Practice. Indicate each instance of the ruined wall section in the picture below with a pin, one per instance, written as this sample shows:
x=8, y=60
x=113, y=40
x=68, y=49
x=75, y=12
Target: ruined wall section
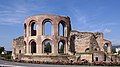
x=81, y=42
x=99, y=56
x=101, y=42
x=18, y=47
x=109, y=46
x=99, y=39
x=94, y=44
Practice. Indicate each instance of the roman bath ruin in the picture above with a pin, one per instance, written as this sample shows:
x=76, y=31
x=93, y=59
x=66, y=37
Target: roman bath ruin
x=71, y=45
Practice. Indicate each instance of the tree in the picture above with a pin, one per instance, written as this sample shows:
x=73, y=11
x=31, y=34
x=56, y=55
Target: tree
x=119, y=52
x=1, y=49
x=62, y=49
x=47, y=48
x=114, y=51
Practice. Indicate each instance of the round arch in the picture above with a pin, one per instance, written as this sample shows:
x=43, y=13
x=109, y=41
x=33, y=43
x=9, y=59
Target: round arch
x=62, y=28
x=96, y=49
x=32, y=44
x=105, y=47
x=47, y=25
x=46, y=46
x=61, y=46
x=32, y=27
x=87, y=50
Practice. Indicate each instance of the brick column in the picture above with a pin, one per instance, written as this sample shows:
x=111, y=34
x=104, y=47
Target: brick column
x=40, y=29
x=28, y=48
x=54, y=46
x=55, y=29
x=54, y=41
x=39, y=43
x=66, y=48
x=109, y=48
x=65, y=31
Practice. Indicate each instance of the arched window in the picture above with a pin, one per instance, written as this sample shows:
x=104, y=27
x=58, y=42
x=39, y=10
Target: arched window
x=61, y=47
x=47, y=47
x=25, y=30
x=61, y=28
x=25, y=46
x=96, y=58
x=33, y=46
x=33, y=28
x=95, y=49
x=47, y=27
x=19, y=51
x=105, y=47
x=104, y=57
x=87, y=50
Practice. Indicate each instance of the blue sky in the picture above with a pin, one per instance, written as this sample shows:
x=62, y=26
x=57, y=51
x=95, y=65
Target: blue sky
x=86, y=15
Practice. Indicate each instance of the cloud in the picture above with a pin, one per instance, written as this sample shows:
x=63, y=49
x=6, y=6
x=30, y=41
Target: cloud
x=78, y=16
x=90, y=23
x=10, y=17
x=12, y=14
x=107, y=30
x=8, y=21
x=116, y=42
x=15, y=12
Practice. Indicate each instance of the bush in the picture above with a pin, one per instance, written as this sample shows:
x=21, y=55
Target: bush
x=5, y=56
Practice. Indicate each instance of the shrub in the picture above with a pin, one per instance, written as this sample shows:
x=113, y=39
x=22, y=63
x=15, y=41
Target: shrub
x=5, y=56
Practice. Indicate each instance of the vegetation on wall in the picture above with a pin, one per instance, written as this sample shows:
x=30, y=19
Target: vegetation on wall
x=1, y=49
x=118, y=52
x=47, y=48
x=114, y=51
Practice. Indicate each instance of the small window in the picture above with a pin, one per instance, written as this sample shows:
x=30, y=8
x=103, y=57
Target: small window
x=61, y=47
x=105, y=47
x=19, y=51
x=96, y=58
x=87, y=50
x=95, y=49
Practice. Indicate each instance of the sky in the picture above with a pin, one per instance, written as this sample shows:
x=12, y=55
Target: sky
x=85, y=15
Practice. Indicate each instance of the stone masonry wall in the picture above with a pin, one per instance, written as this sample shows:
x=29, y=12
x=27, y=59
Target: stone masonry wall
x=18, y=47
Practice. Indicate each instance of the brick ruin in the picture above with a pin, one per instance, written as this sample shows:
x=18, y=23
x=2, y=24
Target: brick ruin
x=76, y=45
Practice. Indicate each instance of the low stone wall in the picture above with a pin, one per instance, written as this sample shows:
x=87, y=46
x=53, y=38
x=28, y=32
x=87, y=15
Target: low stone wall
x=45, y=58
x=87, y=57
x=99, y=56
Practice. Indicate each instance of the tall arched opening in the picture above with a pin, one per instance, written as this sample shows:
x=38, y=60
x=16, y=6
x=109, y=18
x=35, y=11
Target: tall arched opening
x=33, y=28
x=61, y=46
x=33, y=46
x=47, y=27
x=62, y=28
x=46, y=46
x=25, y=47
